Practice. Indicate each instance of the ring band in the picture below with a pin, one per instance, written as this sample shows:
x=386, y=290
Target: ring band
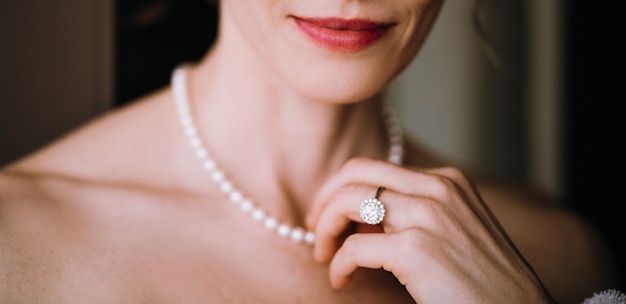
x=379, y=191
x=372, y=210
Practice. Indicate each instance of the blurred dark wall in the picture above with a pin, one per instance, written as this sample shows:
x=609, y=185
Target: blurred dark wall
x=65, y=63
x=153, y=36
x=595, y=104
x=56, y=70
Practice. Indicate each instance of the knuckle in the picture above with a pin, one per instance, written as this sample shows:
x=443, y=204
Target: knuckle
x=415, y=240
x=351, y=245
x=453, y=173
x=430, y=214
x=356, y=162
x=324, y=231
x=458, y=177
x=424, y=245
x=349, y=191
x=442, y=187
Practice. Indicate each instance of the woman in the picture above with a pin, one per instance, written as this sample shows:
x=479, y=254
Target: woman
x=284, y=120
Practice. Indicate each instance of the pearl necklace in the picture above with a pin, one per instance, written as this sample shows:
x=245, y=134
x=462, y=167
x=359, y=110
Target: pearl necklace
x=236, y=197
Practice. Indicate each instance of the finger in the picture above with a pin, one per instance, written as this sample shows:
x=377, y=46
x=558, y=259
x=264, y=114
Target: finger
x=459, y=178
x=359, y=171
x=336, y=217
x=401, y=212
x=361, y=250
x=473, y=198
x=438, y=184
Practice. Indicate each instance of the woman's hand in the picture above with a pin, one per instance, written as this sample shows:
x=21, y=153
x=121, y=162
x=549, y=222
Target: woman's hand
x=438, y=237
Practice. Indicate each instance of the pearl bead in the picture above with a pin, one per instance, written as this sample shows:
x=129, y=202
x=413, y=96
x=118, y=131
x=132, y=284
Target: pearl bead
x=283, y=230
x=246, y=206
x=297, y=235
x=395, y=160
x=209, y=165
x=270, y=223
x=186, y=121
x=226, y=187
x=217, y=176
x=309, y=238
x=191, y=131
x=235, y=197
x=396, y=150
x=183, y=109
x=202, y=153
x=258, y=215
x=195, y=141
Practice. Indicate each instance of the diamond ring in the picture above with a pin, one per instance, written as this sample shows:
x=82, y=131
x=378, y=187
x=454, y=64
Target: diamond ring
x=372, y=210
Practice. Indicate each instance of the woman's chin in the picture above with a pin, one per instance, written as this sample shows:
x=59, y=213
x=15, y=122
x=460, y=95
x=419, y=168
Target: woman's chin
x=339, y=88
x=338, y=94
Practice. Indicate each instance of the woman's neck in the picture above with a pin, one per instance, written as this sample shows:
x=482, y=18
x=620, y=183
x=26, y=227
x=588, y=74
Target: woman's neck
x=275, y=144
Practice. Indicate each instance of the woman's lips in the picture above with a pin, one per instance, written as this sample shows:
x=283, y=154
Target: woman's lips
x=342, y=35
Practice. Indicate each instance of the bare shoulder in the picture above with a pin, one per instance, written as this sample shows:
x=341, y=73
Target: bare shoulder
x=93, y=207
x=53, y=240
x=567, y=253
x=64, y=239
x=24, y=235
x=108, y=145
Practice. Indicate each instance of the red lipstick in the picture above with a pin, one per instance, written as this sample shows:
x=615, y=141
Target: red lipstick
x=343, y=35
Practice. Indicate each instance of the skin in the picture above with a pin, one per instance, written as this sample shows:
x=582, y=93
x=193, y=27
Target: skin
x=121, y=211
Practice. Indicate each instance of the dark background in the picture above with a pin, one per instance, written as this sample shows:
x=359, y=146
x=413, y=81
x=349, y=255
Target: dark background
x=153, y=36
x=594, y=91
x=595, y=118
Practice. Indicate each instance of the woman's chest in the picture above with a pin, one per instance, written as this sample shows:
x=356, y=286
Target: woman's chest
x=232, y=282
x=237, y=269
x=163, y=254
x=227, y=266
